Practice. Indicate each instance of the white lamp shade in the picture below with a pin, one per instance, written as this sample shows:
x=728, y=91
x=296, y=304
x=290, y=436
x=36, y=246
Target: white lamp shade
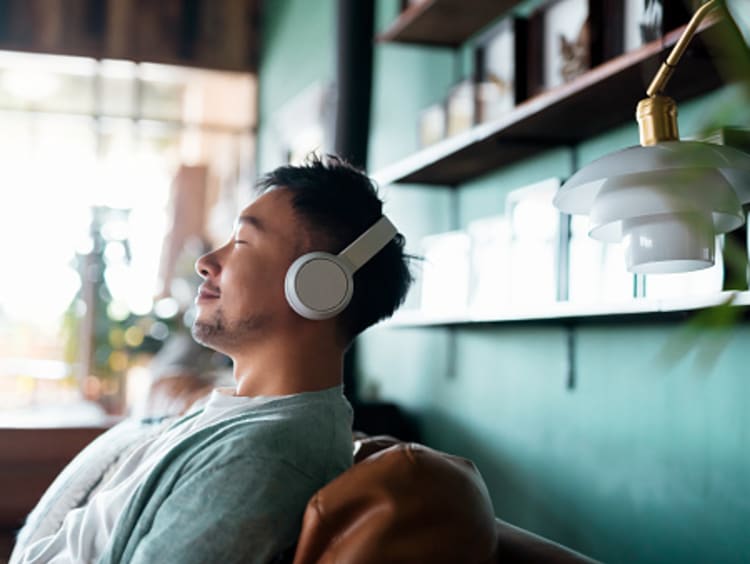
x=661, y=244
x=665, y=202
x=703, y=191
x=577, y=194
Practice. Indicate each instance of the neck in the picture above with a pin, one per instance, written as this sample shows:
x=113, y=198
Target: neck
x=288, y=366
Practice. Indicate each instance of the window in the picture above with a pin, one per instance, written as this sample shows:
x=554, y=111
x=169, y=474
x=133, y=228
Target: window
x=88, y=153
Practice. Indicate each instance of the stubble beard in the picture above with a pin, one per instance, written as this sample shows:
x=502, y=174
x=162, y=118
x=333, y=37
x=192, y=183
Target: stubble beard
x=223, y=336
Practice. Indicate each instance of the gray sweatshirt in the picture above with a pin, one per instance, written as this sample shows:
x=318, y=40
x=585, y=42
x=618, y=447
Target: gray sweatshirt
x=227, y=483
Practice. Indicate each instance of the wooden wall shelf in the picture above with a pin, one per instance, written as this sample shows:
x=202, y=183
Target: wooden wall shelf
x=444, y=23
x=595, y=102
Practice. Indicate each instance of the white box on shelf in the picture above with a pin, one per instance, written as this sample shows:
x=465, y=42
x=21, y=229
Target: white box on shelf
x=445, y=274
x=596, y=271
x=534, y=230
x=490, y=256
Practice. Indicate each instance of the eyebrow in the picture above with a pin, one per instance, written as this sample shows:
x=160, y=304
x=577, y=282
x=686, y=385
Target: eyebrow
x=252, y=220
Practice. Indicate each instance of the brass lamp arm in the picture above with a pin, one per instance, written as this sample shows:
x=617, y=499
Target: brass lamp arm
x=667, y=67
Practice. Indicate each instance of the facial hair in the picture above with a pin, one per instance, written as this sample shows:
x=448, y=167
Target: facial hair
x=221, y=335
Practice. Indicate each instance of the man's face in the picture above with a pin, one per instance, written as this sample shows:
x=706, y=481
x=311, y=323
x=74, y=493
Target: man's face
x=242, y=295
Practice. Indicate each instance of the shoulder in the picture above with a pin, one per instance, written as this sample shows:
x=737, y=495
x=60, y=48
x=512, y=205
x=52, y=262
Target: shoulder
x=310, y=432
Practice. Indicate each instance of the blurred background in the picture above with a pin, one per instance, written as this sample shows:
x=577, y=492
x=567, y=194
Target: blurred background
x=124, y=161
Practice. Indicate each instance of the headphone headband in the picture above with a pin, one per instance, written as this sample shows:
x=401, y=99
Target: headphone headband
x=370, y=243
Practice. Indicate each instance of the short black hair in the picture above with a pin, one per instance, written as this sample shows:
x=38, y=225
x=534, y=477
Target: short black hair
x=338, y=202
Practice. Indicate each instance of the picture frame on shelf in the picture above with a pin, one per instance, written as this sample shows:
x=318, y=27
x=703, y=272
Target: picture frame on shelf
x=500, y=69
x=648, y=20
x=431, y=125
x=566, y=38
x=559, y=44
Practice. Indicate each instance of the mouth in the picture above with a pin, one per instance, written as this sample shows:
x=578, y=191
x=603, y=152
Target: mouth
x=206, y=293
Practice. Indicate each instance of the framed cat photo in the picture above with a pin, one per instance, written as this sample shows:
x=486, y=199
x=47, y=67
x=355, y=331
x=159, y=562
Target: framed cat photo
x=559, y=43
x=566, y=38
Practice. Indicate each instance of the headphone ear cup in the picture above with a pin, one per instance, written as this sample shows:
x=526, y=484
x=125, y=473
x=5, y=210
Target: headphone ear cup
x=319, y=285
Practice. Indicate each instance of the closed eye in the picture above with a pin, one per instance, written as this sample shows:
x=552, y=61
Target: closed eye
x=240, y=242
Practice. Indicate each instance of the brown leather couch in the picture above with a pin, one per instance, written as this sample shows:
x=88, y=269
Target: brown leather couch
x=400, y=503
x=406, y=503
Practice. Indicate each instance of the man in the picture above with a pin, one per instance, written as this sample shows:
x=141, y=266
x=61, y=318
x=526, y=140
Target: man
x=229, y=482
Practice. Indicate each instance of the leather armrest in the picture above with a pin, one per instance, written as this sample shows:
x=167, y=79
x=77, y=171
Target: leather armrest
x=521, y=547
x=406, y=503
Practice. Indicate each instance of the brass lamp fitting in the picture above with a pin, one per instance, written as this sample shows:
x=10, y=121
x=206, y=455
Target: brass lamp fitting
x=657, y=114
x=657, y=120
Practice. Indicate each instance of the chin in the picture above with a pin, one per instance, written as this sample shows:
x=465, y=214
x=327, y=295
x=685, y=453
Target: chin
x=206, y=333
x=222, y=335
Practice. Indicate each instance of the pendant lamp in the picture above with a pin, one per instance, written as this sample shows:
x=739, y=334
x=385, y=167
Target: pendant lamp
x=665, y=200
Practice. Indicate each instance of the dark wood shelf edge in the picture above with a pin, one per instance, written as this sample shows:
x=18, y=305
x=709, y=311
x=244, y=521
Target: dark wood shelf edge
x=401, y=29
x=404, y=20
x=549, y=119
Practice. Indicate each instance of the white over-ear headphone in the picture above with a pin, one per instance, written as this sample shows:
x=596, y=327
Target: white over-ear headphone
x=320, y=285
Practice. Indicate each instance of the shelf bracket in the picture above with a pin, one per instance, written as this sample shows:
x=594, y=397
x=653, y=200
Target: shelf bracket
x=570, y=340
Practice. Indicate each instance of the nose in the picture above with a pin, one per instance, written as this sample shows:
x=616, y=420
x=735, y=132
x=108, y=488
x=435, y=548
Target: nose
x=207, y=265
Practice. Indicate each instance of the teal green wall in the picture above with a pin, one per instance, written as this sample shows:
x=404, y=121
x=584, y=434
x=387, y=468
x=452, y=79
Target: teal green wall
x=296, y=53
x=644, y=459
